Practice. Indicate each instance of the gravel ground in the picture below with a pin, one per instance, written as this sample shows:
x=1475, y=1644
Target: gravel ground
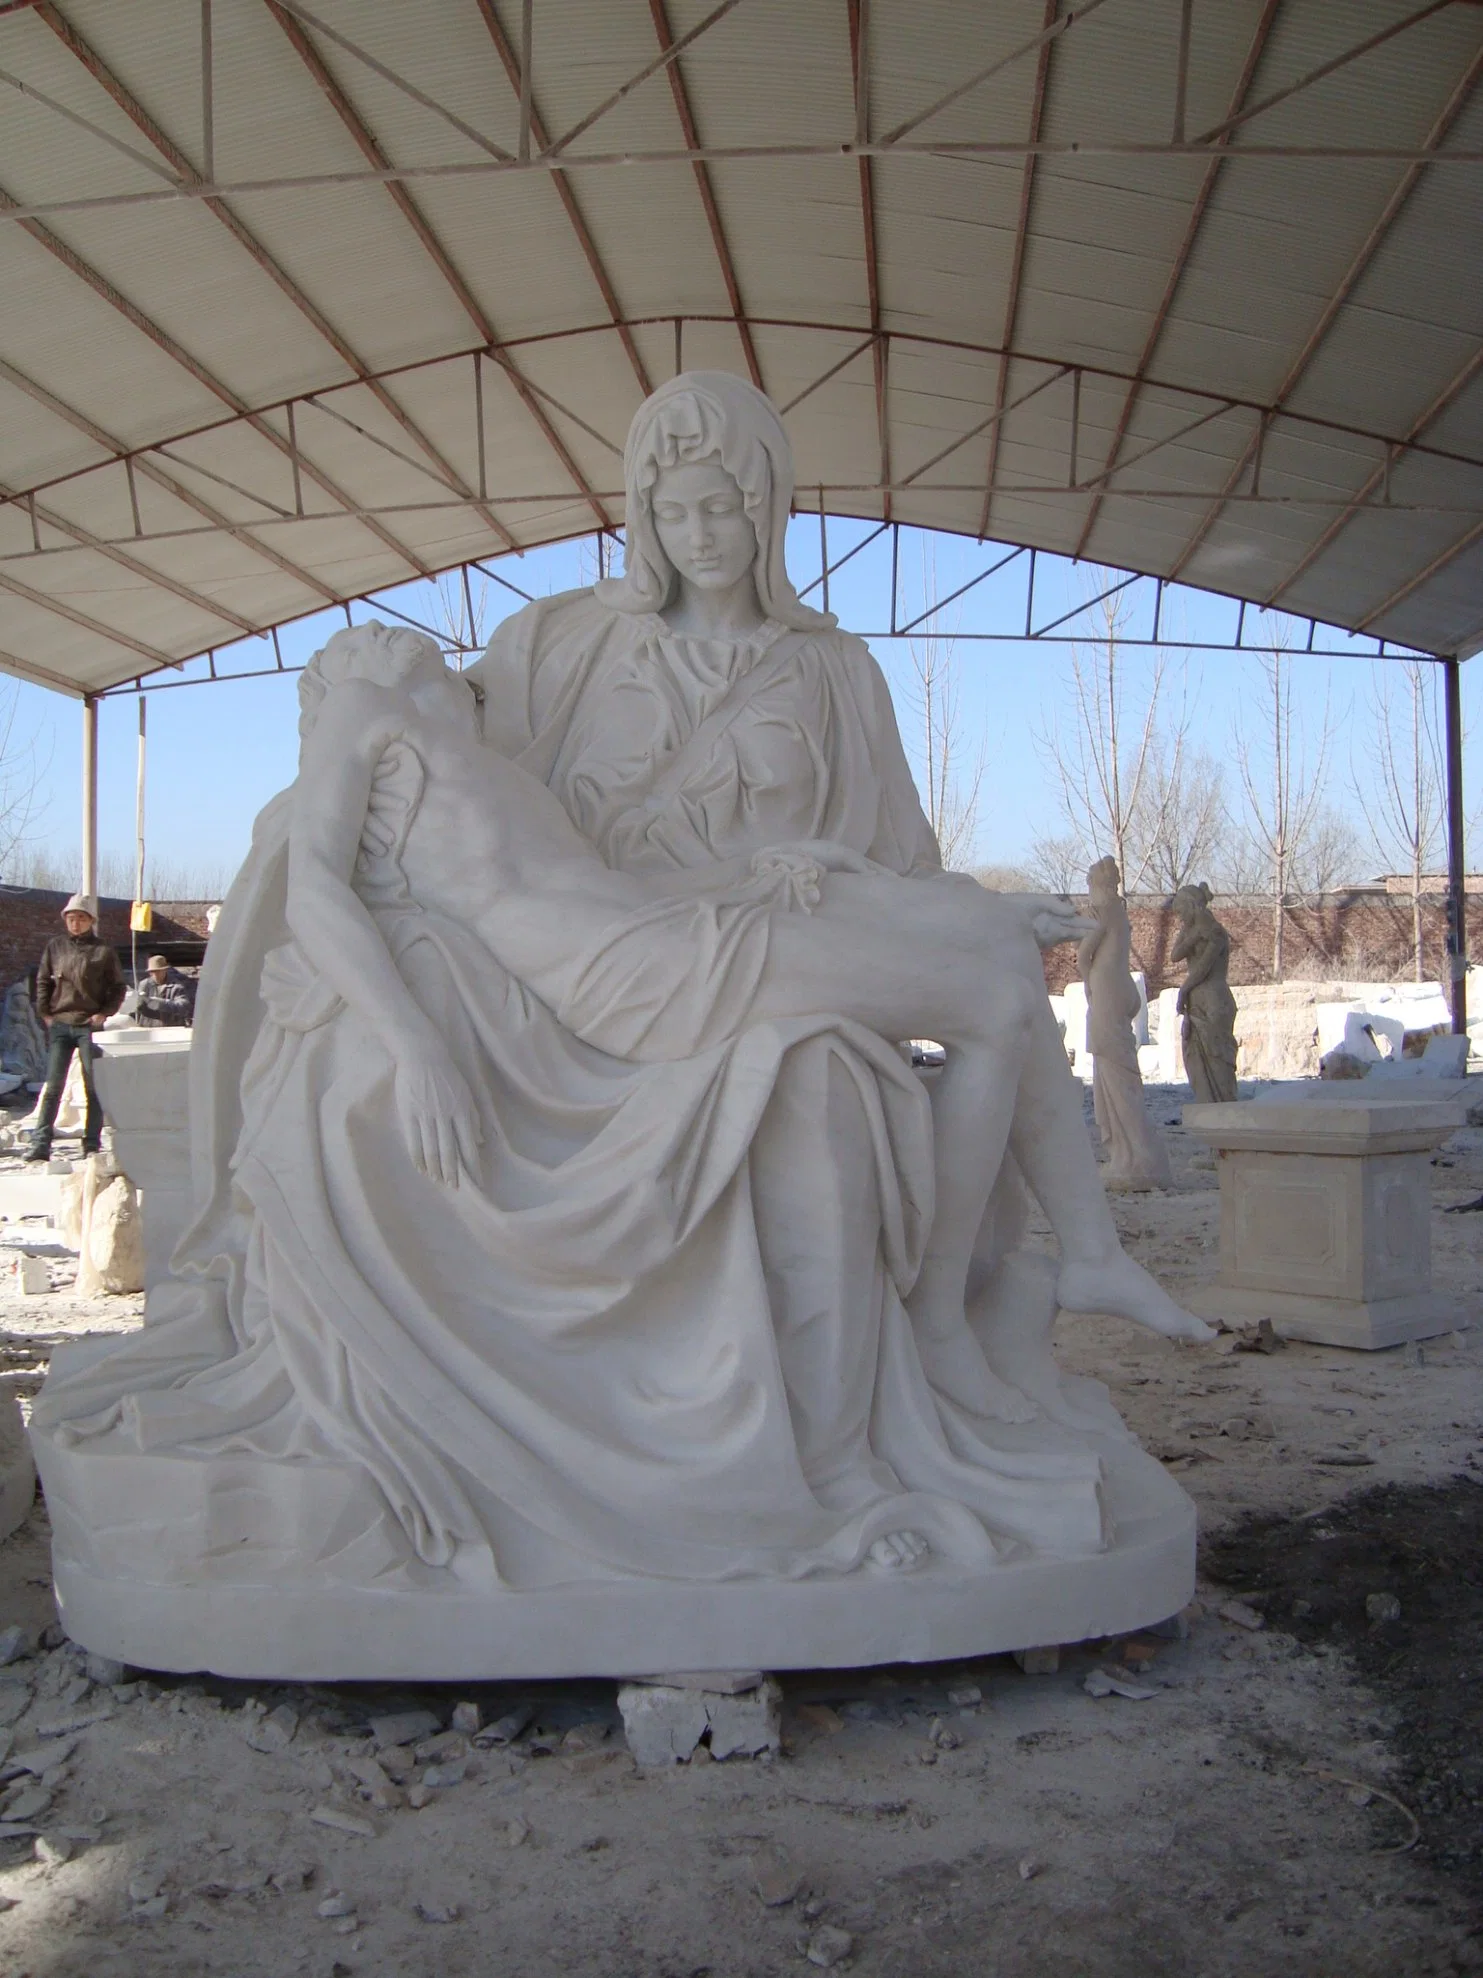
x=1239, y=1822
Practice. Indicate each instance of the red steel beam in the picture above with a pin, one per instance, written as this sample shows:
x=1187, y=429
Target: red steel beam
x=1179, y=268
x=140, y=118
x=707, y=192
x=1017, y=265
x=1451, y=110
x=118, y=453
x=115, y=554
x=1457, y=383
x=369, y=145
x=1414, y=583
x=859, y=19
x=163, y=341
x=510, y=61
x=879, y=350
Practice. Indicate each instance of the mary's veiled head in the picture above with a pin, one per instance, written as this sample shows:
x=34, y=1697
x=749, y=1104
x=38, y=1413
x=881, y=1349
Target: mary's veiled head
x=709, y=416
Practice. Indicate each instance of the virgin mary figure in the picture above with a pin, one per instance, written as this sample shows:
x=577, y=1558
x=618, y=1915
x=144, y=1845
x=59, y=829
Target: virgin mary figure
x=684, y=717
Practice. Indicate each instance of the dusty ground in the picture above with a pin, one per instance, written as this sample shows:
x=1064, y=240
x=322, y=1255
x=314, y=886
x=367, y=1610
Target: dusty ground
x=1235, y=1824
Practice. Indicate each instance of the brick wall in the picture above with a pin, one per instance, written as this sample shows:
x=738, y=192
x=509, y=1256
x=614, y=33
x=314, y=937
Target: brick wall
x=1363, y=935
x=30, y=916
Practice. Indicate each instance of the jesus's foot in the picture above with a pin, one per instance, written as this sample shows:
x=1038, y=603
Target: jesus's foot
x=898, y=1552
x=1125, y=1289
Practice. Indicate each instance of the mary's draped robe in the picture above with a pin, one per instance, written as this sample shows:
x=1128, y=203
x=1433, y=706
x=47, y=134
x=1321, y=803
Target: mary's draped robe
x=661, y=1332
x=607, y=707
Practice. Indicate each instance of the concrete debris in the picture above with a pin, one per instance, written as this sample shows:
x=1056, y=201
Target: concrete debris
x=343, y=1823
x=41, y=1758
x=419, y=1796
x=31, y=1275
x=382, y=1792
x=467, y=1717
x=829, y=1946
x=334, y=1904
x=1030, y=1868
x=585, y=1737
x=289, y=1881
x=435, y=1912
x=1381, y=1607
x=446, y=1745
x=437, y=1777
x=405, y=1727
x=1102, y=1682
x=15, y=1701
x=776, y=1879
x=143, y=1888
x=517, y=1833
x=151, y=1911
x=966, y=1696
x=276, y=1731
x=1263, y=1338
x=52, y=1850
x=1038, y=1661
x=103, y=1670
x=940, y=1735
x=29, y=1803
x=78, y=1720
x=717, y=1682
x=505, y=1729
x=15, y=1641
x=1240, y=1615
x=666, y=1726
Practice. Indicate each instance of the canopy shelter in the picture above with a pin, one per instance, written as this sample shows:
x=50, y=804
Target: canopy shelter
x=302, y=300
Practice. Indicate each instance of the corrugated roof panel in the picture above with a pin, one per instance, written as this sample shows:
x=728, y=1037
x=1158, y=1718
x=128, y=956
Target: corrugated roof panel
x=1103, y=233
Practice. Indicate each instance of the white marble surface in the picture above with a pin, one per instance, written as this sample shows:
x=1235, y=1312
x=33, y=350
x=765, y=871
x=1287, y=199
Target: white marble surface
x=567, y=1236
x=1325, y=1213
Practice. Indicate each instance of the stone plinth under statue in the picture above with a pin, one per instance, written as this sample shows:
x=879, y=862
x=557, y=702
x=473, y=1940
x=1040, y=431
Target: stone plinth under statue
x=576, y=1278
x=1325, y=1215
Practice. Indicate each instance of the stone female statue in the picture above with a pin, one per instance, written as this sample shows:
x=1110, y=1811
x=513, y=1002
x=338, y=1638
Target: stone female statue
x=1205, y=1001
x=1137, y=1159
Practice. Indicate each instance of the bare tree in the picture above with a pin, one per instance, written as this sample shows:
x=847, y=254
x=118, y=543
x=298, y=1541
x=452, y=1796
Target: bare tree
x=1009, y=879
x=1121, y=778
x=1186, y=816
x=1329, y=855
x=1282, y=781
x=1408, y=805
x=21, y=771
x=1059, y=865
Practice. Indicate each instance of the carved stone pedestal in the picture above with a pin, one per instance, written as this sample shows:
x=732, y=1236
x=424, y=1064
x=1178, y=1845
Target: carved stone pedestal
x=142, y=1080
x=267, y=1569
x=1325, y=1217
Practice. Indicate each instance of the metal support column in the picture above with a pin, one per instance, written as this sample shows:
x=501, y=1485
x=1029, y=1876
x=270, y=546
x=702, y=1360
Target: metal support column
x=1457, y=900
x=90, y=794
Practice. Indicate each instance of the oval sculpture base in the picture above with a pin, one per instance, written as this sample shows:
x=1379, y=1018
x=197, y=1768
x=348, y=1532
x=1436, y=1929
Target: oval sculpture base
x=245, y=1567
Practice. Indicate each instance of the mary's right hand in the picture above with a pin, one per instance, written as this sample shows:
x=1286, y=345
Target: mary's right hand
x=436, y=1113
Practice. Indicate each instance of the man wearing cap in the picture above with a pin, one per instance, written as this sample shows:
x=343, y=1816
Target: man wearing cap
x=79, y=985
x=166, y=997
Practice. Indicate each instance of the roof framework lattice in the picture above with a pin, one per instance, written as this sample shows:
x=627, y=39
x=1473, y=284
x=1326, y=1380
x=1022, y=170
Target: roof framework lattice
x=304, y=300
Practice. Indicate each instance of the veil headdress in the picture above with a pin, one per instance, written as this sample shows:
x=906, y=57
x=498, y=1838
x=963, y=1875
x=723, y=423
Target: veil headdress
x=703, y=415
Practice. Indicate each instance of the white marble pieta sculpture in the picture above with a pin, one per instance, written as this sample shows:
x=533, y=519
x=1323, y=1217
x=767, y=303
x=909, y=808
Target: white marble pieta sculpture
x=1136, y=1155
x=581, y=1280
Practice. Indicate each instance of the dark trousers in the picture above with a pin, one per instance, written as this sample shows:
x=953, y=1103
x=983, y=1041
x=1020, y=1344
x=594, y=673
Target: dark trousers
x=62, y=1040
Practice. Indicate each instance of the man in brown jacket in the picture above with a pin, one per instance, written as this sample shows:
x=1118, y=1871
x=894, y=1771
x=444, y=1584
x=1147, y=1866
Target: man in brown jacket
x=79, y=985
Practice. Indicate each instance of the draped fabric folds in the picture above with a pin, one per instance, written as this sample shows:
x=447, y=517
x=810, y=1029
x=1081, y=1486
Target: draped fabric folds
x=583, y=1361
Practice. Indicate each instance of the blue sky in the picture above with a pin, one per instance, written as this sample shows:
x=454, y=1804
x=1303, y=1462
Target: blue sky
x=217, y=752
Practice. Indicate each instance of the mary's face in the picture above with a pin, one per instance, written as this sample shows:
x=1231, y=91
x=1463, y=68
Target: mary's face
x=703, y=526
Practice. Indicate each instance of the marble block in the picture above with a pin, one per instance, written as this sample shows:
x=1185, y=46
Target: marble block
x=1325, y=1216
x=142, y=1080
